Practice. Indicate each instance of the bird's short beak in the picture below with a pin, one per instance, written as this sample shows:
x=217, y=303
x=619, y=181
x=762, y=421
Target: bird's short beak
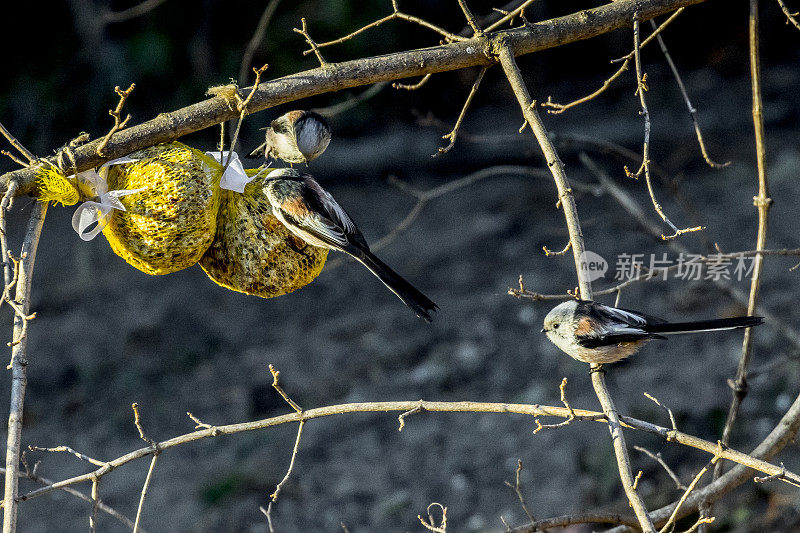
x=544, y=330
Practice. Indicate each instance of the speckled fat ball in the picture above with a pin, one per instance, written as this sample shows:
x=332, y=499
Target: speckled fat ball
x=253, y=252
x=169, y=225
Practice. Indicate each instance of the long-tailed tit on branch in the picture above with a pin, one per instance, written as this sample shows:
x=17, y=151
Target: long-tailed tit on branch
x=595, y=333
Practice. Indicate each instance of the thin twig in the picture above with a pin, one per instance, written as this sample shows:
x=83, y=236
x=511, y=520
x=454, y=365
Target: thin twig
x=700, y=522
x=277, y=387
x=517, y=487
x=790, y=17
x=685, y=93
x=396, y=14
x=16, y=144
x=550, y=253
x=641, y=88
x=507, y=16
x=568, y=520
x=402, y=417
x=10, y=267
x=762, y=203
x=133, y=12
x=470, y=18
x=14, y=158
x=138, y=422
x=298, y=410
x=673, y=517
x=242, y=106
x=119, y=123
x=202, y=425
x=110, y=511
x=258, y=37
x=556, y=108
x=569, y=419
x=430, y=525
x=454, y=132
x=303, y=30
x=144, y=492
x=493, y=17
x=667, y=409
x=660, y=460
x=412, y=86
x=69, y=450
x=156, y=451
x=274, y=496
x=764, y=479
x=636, y=479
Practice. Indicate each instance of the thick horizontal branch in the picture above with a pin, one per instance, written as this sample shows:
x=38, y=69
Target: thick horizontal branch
x=337, y=76
x=407, y=407
x=568, y=520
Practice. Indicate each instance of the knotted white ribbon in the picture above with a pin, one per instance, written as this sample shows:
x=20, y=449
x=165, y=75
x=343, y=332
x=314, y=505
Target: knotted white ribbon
x=97, y=212
x=234, y=178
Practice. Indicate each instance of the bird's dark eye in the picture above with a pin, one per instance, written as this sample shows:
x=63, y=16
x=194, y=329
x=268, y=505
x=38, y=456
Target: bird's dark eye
x=555, y=326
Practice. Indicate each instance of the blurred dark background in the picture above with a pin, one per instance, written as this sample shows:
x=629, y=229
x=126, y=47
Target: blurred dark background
x=107, y=335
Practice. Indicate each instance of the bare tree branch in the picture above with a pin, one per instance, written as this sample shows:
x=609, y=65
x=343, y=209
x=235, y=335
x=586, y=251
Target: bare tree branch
x=790, y=17
x=576, y=239
x=775, y=441
x=565, y=197
x=133, y=12
x=16, y=144
x=568, y=520
x=783, y=433
x=762, y=203
x=19, y=362
x=453, y=56
x=110, y=511
x=258, y=37
x=685, y=93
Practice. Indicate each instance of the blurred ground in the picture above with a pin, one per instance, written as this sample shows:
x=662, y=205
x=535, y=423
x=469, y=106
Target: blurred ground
x=107, y=335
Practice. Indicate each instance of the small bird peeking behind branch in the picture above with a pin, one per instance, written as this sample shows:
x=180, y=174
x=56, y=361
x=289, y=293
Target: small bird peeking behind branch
x=595, y=333
x=311, y=213
x=296, y=137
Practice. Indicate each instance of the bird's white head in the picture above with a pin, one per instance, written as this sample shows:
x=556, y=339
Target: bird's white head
x=560, y=323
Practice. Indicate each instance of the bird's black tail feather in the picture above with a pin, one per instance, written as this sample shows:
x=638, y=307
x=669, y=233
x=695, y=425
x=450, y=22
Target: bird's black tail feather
x=418, y=302
x=719, y=324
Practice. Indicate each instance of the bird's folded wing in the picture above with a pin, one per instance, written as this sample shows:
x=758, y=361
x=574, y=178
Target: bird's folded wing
x=602, y=338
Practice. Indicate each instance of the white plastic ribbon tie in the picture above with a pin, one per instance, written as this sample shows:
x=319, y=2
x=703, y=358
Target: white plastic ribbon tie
x=121, y=161
x=234, y=178
x=97, y=212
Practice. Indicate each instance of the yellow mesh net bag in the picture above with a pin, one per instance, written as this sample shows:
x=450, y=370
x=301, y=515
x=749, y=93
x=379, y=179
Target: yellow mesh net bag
x=170, y=223
x=176, y=215
x=54, y=187
x=253, y=252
